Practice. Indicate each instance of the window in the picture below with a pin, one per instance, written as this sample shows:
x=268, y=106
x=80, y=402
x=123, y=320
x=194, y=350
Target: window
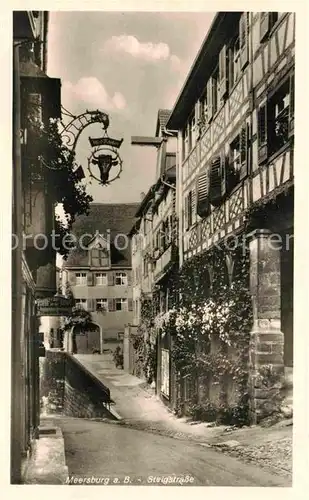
x=244, y=39
x=234, y=62
x=216, y=91
x=81, y=278
x=101, y=279
x=235, y=159
x=121, y=304
x=99, y=257
x=222, y=80
x=202, y=189
x=185, y=145
x=278, y=118
x=203, y=110
x=192, y=133
x=81, y=303
x=121, y=279
x=101, y=305
x=189, y=209
x=267, y=21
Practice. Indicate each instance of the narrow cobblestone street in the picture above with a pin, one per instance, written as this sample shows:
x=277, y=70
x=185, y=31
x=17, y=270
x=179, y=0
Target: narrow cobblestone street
x=147, y=426
x=101, y=450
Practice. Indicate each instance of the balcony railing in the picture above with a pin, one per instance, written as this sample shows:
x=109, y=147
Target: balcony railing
x=165, y=259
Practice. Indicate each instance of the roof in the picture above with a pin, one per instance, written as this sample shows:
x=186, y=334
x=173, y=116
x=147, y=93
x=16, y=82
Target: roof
x=107, y=219
x=163, y=116
x=206, y=61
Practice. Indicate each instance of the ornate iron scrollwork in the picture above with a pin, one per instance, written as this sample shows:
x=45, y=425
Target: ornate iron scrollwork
x=105, y=149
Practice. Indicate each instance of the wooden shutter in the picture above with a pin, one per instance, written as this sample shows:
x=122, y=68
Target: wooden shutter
x=244, y=39
x=231, y=69
x=130, y=304
x=217, y=182
x=197, y=118
x=111, y=305
x=244, y=151
x=185, y=214
x=264, y=25
x=90, y=279
x=193, y=205
x=262, y=134
x=189, y=215
x=202, y=186
x=110, y=279
x=223, y=72
x=72, y=278
x=210, y=103
x=291, y=106
x=91, y=305
x=129, y=278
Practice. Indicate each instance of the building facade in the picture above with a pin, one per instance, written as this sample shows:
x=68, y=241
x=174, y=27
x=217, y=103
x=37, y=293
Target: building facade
x=235, y=123
x=155, y=255
x=36, y=98
x=99, y=275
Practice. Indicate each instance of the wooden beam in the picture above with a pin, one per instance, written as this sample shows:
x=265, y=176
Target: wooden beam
x=137, y=140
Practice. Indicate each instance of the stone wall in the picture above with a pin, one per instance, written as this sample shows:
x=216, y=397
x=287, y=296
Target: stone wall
x=67, y=388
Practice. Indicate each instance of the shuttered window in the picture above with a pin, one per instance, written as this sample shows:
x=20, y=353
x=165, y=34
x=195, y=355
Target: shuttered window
x=223, y=72
x=189, y=208
x=291, y=105
x=217, y=186
x=210, y=98
x=244, y=151
x=262, y=133
x=244, y=39
x=202, y=187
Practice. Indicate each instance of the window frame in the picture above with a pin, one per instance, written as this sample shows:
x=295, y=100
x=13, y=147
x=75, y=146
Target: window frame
x=101, y=300
x=121, y=275
x=78, y=302
x=79, y=275
x=102, y=275
x=122, y=301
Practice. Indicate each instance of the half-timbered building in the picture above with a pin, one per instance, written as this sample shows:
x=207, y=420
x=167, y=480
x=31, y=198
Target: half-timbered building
x=235, y=122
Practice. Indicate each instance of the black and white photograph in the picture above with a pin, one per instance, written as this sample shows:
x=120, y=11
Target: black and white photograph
x=152, y=325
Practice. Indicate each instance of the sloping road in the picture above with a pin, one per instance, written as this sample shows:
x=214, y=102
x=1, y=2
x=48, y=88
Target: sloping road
x=100, y=451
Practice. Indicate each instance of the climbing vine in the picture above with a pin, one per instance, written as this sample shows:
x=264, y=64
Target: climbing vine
x=209, y=319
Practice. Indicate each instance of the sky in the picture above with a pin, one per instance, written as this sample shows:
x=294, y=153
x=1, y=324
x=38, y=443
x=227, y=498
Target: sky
x=128, y=64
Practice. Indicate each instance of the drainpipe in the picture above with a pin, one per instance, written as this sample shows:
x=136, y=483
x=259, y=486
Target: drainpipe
x=16, y=359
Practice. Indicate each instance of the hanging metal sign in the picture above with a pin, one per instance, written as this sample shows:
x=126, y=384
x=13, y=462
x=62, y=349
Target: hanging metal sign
x=105, y=141
x=105, y=158
x=54, y=306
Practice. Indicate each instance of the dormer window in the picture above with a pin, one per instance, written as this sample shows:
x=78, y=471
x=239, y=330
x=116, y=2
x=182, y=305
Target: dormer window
x=99, y=256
